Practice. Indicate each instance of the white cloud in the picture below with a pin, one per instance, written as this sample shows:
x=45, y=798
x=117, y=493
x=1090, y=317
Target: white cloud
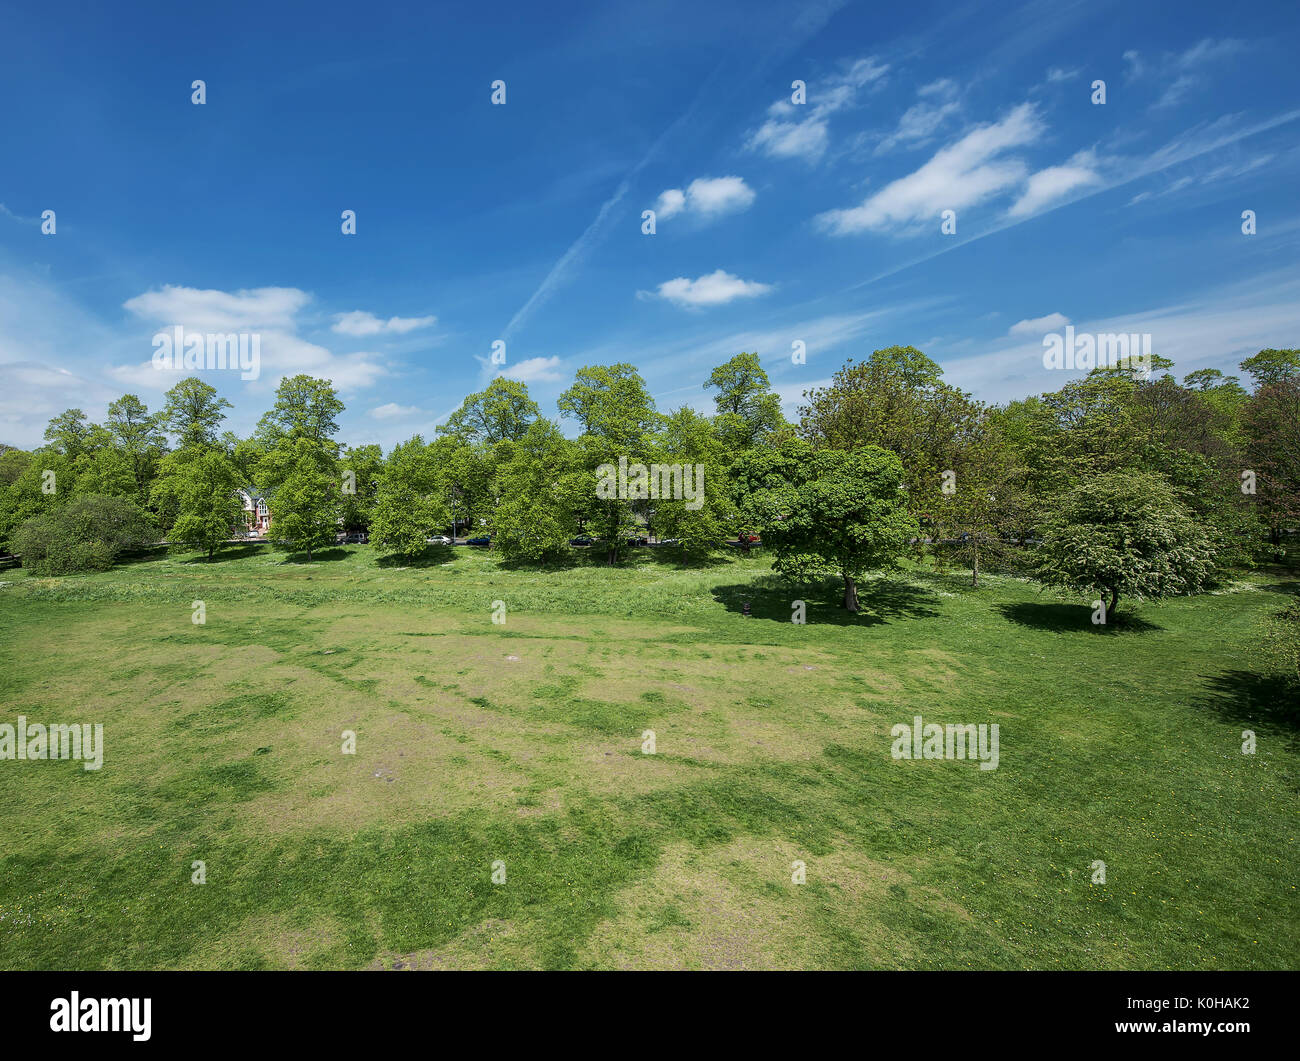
x=269, y=312
x=220, y=311
x=715, y=289
x=957, y=176
x=393, y=411
x=1039, y=325
x=359, y=322
x=1057, y=75
x=1181, y=72
x=1055, y=182
x=33, y=394
x=923, y=119
x=534, y=370
x=671, y=203
x=706, y=197
x=786, y=135
x=1215, y=330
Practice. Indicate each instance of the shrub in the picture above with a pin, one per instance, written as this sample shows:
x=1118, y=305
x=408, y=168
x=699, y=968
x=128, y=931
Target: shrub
x=87, y=534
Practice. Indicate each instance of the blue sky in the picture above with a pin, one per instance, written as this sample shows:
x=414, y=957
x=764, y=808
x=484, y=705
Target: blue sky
x=776, y=222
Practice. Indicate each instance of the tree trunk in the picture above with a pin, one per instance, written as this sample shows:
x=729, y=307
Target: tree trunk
x=850, y=593
x=1114, y=601
x=210, y=548
x=975, y=565
x=309, y=554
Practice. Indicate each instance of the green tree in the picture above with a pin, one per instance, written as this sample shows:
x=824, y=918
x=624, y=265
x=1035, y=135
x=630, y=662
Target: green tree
x=827, y=512
x=307, y=498
x=503, y=411
x=536, y=482
x=1272, y=366
x=305, y=408
x=193, y=413
x=612, y=402
x=895, y=400
x=135, y=433
x=196, y=489
x=362, y=468
x=1272, y=425
x=410, y=501
x=747, y=409
x=1125, y=534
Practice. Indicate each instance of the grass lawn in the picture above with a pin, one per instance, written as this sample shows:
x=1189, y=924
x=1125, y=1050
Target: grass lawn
x=522, y=743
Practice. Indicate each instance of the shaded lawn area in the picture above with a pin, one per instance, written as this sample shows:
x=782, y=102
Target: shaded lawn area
x=521, y=744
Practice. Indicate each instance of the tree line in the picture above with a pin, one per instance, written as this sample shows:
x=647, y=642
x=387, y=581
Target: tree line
x=1118, y=484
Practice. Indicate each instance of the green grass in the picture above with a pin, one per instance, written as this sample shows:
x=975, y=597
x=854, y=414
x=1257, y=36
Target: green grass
x=522, y=743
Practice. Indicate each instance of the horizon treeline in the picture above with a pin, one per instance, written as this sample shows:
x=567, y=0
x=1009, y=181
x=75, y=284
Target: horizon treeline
x=978, y=475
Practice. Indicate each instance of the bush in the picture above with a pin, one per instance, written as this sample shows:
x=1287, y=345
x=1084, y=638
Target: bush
x=87, y=534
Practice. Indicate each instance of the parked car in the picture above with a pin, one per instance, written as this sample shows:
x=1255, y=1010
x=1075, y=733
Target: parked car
x=582, y=539
x=439, y=539
x=355, y=538
x=485, y=541
x=638, y=541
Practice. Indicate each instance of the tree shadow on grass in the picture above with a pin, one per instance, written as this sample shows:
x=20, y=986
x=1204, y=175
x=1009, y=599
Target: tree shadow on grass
x=152, y=554
x=429, y=556
x=228, y=552
x=880, y=602
x=1073, y=618
x=1285, y=588
x=318, y=556
x=1243, y=698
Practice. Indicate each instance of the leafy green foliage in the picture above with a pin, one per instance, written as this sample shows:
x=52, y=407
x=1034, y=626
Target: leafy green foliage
x=827, y=511
x=410, y=502
x=87, y=534
x=1126, y=534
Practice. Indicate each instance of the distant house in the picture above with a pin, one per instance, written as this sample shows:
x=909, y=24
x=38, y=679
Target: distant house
x=257, y=514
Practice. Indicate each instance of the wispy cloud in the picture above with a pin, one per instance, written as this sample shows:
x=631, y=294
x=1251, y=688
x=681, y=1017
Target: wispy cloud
x=938, y=103
x=958, y=176
x=1039, y=325
x=802, y=130
x=359, y=322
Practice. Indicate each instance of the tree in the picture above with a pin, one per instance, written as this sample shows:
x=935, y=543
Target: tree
x=1272, y=366
x=410, y=500
x=747, y=409
x=305, y=408
x=827, y=511
x=86, y=534
x=611, y=401
x=199, y=486
x=135, y=432
x=895, y=400
x=307, y=496
x=617, y=414
x=1125, y=534
x=698, y=522
x=193, y=413
x=988, y=503
x=69, y=433
x=537, y=483
x=503, y=411
x=1272, y=424
x=362, y=466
